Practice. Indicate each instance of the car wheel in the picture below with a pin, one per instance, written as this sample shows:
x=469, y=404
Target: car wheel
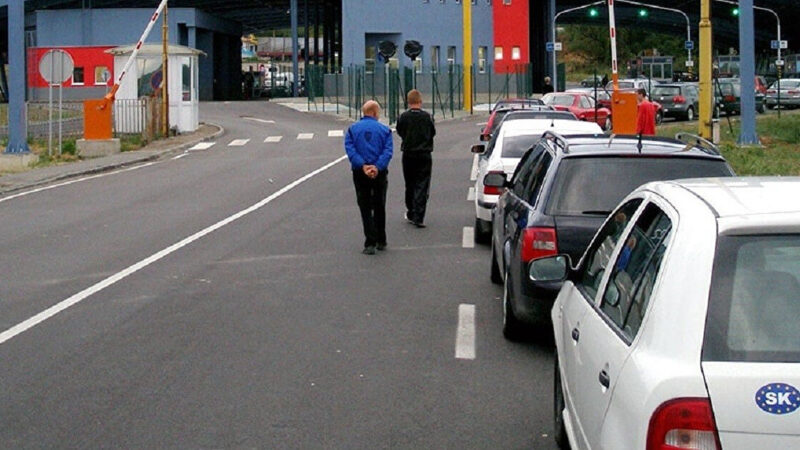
x=559, y=430
x=760, y=108
x=659, y=118
x=496, y=276
x=483, y=231
x=770, y=106
x=690, y=114
x=511, y=325
x=609, y=125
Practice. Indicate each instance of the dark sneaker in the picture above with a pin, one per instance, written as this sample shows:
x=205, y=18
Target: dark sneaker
x=368, y=250
x=408, y=219
x=381, y=247
x=419, y=224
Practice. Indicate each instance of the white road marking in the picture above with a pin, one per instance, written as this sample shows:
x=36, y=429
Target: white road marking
x=67, y=183
x=305, y=136
x=468, y=238
x=471, y=194
x=179, y=156
x=336, y=133
x=82, y=295
x=238, y=142
x=473, y=175
x=465, y=335
x=273, y=139
x=258, y=120
x=203, y=146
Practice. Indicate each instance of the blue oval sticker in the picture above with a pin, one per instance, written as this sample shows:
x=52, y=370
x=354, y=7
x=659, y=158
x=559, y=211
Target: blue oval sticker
x=778, y=398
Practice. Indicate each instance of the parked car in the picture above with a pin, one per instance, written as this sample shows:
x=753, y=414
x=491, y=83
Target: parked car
x=790, y=94
x=677, y=327
x=581, y=105
x=560, y=194
x=604, y=100
x=592, y=81
x=680, y=100
x=728, y=97
x=502, y=154
x=496, y=117
x=633, y=84
x=516, y=103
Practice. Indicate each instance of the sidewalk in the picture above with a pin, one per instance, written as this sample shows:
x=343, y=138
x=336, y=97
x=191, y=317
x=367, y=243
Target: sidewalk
x=303, y=105
x=38, y=176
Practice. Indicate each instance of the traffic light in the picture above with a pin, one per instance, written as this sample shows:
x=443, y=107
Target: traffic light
x=735, y=12
x=643, y=13
x=593, y=12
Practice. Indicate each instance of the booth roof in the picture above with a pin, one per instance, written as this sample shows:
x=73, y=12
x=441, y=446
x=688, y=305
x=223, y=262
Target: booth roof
x=156, y=49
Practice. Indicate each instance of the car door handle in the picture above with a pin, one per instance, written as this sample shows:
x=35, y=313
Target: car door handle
x=576, y=334
x=604, y=379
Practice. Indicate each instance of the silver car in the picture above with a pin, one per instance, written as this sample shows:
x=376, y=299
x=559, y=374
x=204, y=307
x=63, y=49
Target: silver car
x=789, y=94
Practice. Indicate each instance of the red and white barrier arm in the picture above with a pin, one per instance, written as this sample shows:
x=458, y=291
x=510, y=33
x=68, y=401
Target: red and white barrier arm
x=612, y=29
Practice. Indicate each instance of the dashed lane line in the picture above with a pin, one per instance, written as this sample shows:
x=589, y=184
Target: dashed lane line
x=336, y=133
x=473, y=175
x=468, y=237
x=256, y=119
x=273, y=139
x=465, y=334
x=471, y=194
x=238, y=142
x=305, y=136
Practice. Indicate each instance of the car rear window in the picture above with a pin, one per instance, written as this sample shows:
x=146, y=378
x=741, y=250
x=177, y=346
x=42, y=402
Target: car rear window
x=516, y=146
x=559, y=100
x=598, y=184
x=666, y=91
x=755, y=300
x=559, y=115
x=786, y=84
x=626, y=85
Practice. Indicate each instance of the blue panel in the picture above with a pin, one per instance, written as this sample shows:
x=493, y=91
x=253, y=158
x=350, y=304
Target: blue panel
x=747, y=67
x=17, y=126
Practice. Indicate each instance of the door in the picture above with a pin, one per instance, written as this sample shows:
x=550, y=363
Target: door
x=510, y=200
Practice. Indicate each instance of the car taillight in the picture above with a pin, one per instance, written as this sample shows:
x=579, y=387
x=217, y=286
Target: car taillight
x=683, y=423
x=793, y=92
x=492, y=190
x=538, y=243
x=730, y=98
x=678, y=99
x=772, y=91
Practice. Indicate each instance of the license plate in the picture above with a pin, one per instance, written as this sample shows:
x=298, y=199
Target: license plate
x=666, y=110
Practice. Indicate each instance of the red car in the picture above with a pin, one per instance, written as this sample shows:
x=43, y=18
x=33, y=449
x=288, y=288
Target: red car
x=604, y=100
x=581, y=105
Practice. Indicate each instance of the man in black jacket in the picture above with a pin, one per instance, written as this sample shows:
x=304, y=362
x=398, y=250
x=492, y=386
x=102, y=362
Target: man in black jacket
x=417, y=130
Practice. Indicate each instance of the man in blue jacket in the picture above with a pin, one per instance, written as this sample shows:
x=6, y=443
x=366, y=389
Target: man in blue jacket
x=368, y=144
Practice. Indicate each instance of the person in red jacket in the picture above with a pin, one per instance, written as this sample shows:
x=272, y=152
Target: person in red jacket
x=646, y=115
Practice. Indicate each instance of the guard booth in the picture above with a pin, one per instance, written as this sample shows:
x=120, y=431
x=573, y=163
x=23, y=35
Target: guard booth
x=144, y=80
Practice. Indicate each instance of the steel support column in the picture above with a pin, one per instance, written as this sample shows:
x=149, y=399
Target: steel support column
x=17, y=125
x=747, y=61
x=295, y=49
x=705, y=59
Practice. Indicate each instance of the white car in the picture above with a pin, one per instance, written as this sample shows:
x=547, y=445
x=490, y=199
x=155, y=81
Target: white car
x=633, y=84
x=503, y=153
x=679, y=326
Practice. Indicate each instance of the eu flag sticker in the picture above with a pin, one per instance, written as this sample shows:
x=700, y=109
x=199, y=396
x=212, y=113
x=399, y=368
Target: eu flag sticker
x=778, y=398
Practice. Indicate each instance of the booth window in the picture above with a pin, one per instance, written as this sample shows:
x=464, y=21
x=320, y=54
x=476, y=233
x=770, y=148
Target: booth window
x=77, y=76
x=101, y=75
x=186, y=80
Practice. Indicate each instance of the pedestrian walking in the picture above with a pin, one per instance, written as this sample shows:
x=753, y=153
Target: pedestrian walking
x=645, y=115
x=416, y=128
x=548, y=86
x=368, y=144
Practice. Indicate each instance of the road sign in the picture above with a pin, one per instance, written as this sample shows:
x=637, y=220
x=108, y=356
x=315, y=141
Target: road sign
x=549, y=46
x=688, y=45
x=689, y=63
x=775, y=44
x=779, y=62
x=56, y=66
x=558, y=46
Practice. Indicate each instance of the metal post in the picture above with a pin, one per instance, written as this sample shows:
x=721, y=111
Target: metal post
x=552, y=11
x=295, y=49
x=555, y=18
x=17, y=123
x=705, y=57
x=747, y=134
x=467, y=72
x=164, y=74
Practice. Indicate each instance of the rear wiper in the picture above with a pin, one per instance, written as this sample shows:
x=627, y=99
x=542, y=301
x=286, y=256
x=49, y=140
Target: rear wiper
x=596, y=212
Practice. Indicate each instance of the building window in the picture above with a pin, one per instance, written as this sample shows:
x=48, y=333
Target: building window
x=482, y=59
x=435, y=58
x=77, y=76
x=506, y=2
x=418, y=65
x=516, y=55
x=370, y=53
x=101, y=75
x=498, y=53
x=451, y=56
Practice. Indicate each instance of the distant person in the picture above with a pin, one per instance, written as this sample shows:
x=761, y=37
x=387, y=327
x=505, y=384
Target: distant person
x=604, y=81
x=417, y=130
x=548, y=86
x=646, y=114
x=368, y=144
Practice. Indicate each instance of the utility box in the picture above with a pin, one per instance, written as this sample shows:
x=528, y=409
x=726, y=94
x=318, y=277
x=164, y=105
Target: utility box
x=97, y=119
x=624, y=109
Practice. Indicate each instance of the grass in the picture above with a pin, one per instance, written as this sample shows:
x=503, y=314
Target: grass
x=780, y=138
x=69, y=149
x=40, y=113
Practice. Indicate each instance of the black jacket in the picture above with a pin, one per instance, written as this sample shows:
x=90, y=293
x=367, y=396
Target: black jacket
x=417, y=130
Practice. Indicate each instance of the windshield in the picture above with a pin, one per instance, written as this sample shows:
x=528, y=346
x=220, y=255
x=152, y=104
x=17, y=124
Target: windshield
x=516, y=146
x=786, y=84
x=663, y=91
x=754, y=303
x=558, y=99
x=498, y=119
x=600, y=183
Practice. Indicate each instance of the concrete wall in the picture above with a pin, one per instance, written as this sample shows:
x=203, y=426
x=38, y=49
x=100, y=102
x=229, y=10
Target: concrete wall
x=432, y=23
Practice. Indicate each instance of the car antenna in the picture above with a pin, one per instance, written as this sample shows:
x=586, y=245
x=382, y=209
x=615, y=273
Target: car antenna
x=639, y=144
x=552, y=122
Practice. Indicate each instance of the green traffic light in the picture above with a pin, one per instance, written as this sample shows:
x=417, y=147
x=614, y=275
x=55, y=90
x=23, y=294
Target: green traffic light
x=643, y=13
x=735, y=12
x=593, y=12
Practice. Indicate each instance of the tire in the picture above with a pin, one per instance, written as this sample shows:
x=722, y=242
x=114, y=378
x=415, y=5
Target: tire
x=760, y=108
x=770, y=106
x=559, y=429
x=609, y=124
x=690, y=114
x=512, y=328
x=496, y=276
x=659, y=118
x=483, y=231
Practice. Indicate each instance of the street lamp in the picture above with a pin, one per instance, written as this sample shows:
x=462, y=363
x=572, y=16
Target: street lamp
x=592, y=13
x=735, y=12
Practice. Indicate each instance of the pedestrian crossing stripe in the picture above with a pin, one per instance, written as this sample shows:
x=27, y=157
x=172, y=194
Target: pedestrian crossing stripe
x=305, y=136
x=273, y=139
x=336, y=133
x=203, y=146
x=238, y=142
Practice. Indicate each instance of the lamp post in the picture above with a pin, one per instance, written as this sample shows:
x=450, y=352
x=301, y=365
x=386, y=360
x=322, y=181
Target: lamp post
x=664, y=8
x=553, y=30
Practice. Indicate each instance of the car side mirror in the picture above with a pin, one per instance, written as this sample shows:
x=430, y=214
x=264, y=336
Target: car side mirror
x=549, y=270
x=478, y=148
x=495, y=179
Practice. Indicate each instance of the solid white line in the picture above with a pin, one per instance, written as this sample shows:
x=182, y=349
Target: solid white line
x=473, y=175
x=336, y=133
x=77, y=180
x=203, y=146
x=468, y=238
x=305, y=136
x=258, y=120
x=238, y=142
x=465, y=335
x=471, y=194
x=82, y=295
x=179, y=156
x=273, y=139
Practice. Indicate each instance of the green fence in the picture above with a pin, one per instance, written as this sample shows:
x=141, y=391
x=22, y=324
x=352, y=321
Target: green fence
x=442, y=90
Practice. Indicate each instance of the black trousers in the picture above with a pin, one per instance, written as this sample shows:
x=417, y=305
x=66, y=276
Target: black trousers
x=417, y=174
x=371, y=197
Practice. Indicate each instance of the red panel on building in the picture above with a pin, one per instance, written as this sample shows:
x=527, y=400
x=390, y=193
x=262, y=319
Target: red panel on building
x=511, y=34
x=92, y=63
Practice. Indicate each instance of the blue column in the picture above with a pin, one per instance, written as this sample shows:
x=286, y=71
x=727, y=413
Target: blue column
x=295, y=49
x=550, y=65
x=17, y=125
x=748, y=135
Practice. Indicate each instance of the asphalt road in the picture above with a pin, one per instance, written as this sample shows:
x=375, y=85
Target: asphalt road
x=210, y=300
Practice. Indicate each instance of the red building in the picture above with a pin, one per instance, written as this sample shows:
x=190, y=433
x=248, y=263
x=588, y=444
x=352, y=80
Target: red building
x=92, y=75
x=511, y=34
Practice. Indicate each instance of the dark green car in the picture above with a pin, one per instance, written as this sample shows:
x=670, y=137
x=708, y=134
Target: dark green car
x=728, y=97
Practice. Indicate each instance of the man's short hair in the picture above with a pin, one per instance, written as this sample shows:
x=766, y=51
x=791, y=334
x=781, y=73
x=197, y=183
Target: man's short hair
x=641, y=92
x=414, y=97
x=371, y=108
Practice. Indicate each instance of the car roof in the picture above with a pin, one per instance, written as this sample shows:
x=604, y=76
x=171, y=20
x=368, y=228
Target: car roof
x=531, y=113
x=593, y=145
x=524, y=127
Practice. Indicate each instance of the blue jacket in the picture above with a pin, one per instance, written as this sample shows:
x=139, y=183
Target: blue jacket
x=368, y=142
